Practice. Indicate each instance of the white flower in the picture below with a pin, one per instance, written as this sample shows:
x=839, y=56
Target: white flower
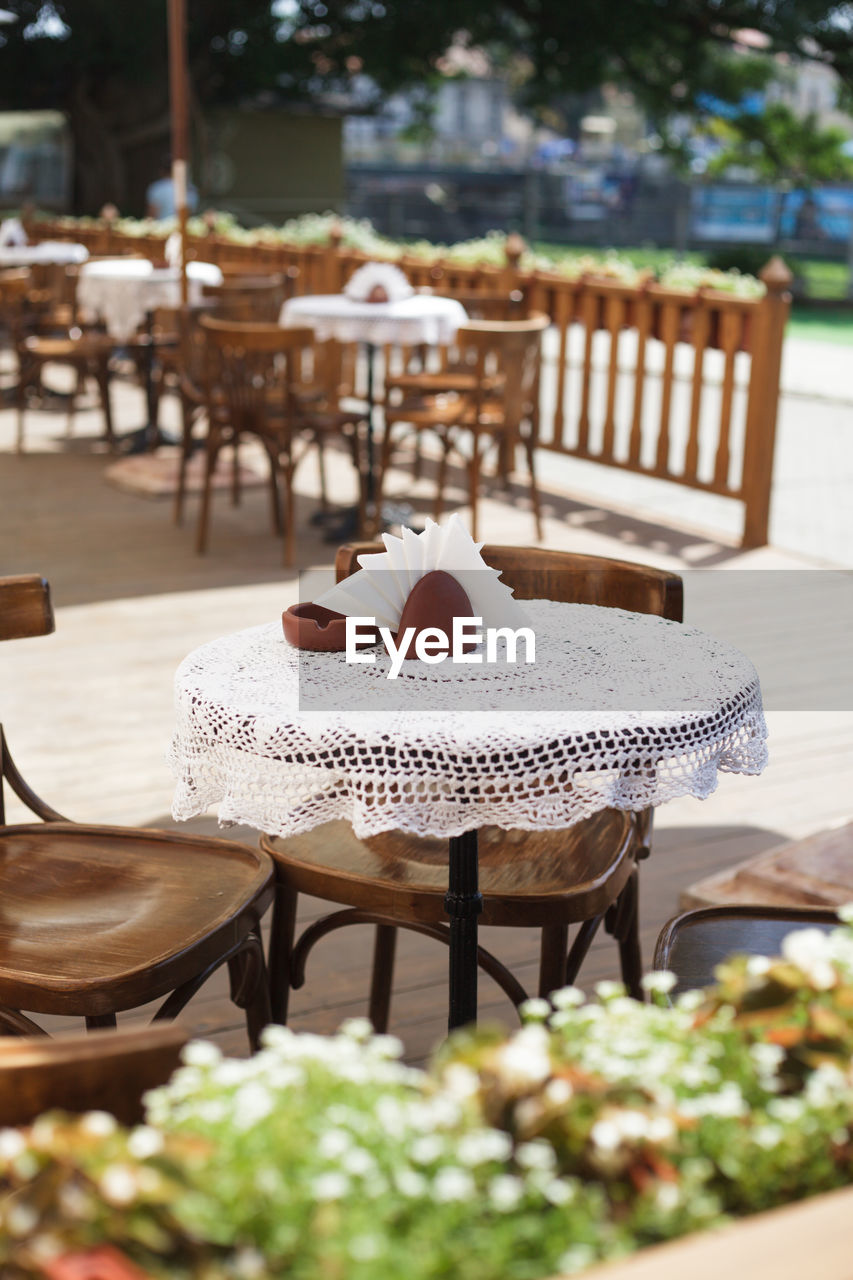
x=576, y=1259
x=358, y=1162
x=505, y=1192
x=668, y=1196
x=660, y=982
x=558, y=1091
x=99, y=1124
x=249, y=1264
x=535, y=1010
x=605, y=1135
x=453, y=1184
x=410, y=1183
x=20, y=1219
x=118, y=1184
x=364, y=1248
x=330, y=1186
x=559, y=1191
x=609, y=990
x=845, y=912
x=567, y=998
x=524, y=1060
x=358, y=1029
x=333, y=1143
x=145, y=1142
x=201, y=1053
x=483, y=1146
x=253, y=1102
x=768, y=1136
x=461, y=1081
x=428, y=1149
x=536, y=1155
x=811, y=951
x=11, y=1144
x=757, y=966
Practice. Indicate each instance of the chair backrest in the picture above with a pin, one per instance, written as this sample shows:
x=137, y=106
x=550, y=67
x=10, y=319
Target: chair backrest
x=692, y=944
x=534, y=573
x=104, y=1070
x=25, y=607
x=491, y=306
x=247, y=298
x=508, y=350
x=253, y=369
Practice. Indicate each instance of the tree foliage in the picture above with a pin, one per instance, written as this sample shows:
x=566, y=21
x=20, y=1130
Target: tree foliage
x=778, y=145
x=104, y=61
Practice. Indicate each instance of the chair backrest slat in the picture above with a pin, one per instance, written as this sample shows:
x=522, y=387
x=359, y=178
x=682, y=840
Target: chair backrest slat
x=25, y=607
x=534, y=573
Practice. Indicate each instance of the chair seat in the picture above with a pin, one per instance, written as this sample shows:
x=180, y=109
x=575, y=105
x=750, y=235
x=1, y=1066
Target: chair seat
x=95, y=919
x=87, y=346
x=521, y=872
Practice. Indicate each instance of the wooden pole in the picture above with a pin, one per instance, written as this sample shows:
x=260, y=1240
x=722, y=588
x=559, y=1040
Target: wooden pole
x=178, y=98
x=763, y=402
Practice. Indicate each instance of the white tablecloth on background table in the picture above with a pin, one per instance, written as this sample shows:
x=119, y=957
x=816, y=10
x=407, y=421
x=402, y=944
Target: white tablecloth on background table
x=123, y=290
x=619, y=710
x=46, y=251
x=422, y=318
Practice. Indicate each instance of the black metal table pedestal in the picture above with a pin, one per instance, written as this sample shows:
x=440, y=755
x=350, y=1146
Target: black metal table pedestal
x=463, y=903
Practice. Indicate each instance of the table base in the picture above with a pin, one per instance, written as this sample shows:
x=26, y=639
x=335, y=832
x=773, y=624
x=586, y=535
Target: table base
x=463, y=903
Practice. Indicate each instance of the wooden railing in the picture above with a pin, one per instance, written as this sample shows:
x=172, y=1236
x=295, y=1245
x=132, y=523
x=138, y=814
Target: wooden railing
x=674, y=385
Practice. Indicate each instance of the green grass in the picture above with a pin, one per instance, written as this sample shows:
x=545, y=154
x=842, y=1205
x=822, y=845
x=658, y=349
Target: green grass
x=829, y=325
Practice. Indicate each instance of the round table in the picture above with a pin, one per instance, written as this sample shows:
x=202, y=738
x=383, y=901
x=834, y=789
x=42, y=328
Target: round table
x=47, y=252
x=124, y=291
x=619, y=710
x=421, y=319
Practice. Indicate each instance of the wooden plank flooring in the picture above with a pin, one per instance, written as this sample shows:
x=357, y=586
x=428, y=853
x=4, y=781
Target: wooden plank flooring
x=88, y=711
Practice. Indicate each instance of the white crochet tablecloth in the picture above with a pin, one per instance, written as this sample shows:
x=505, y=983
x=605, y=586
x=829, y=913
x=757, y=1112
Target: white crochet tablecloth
x=620, y=709
x=418, y=319
x=123, y=290
x=58, y=252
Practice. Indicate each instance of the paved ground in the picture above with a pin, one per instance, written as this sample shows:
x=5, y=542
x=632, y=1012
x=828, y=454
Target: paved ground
x=89, y=709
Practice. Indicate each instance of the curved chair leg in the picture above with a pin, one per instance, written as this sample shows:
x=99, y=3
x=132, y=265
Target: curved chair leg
x=14, y=1023
x=507, y=981
x=249, y=986
x=622, y=921
x=213, y=447
x=281, y=949
x=102, y=377
x=382, y=977
x=553, y=945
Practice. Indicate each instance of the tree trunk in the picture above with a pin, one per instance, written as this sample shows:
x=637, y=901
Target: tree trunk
x=99, y=171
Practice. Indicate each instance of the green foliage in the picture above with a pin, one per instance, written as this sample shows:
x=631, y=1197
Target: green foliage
x=600, y=1127
x=779, y=145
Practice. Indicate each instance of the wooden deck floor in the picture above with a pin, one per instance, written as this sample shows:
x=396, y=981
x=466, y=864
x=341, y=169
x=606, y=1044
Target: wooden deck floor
x=88, y=711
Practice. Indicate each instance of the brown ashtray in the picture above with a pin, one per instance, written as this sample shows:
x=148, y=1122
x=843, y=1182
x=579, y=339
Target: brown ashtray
x=310, y=626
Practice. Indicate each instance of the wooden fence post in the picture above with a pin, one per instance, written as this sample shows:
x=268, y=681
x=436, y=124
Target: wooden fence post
x=513, y=249
x=332, y=282
x=763, y=402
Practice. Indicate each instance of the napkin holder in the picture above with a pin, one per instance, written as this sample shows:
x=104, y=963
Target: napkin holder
x=434, y=601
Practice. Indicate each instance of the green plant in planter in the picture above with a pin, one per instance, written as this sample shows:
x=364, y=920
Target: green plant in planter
x=597, y=1128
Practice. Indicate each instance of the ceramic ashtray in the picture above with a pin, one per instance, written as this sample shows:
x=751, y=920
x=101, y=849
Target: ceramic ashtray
x=310, y=626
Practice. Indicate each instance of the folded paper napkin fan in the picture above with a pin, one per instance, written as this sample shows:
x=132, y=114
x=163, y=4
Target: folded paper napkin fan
x=381, y=587
x=12, y=233
x=378, y=282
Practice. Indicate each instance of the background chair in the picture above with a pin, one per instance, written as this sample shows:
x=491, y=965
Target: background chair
x=99, y=1070
x=692, y=944
x=100, y=919
x=489, y=396
x=585, y=875
x=269, y=382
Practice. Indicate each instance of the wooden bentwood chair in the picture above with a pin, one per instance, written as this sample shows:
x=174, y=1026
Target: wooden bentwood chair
x=585, y=875
x=488, y=396
x=269, y=382
x=100, y=919
x=692, y=944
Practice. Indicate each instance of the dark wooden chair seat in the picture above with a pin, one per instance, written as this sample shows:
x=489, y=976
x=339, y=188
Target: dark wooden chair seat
x=95, y=920
x=129, y=915
x=520, y=871
x=583, y=876
x=692, y=944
